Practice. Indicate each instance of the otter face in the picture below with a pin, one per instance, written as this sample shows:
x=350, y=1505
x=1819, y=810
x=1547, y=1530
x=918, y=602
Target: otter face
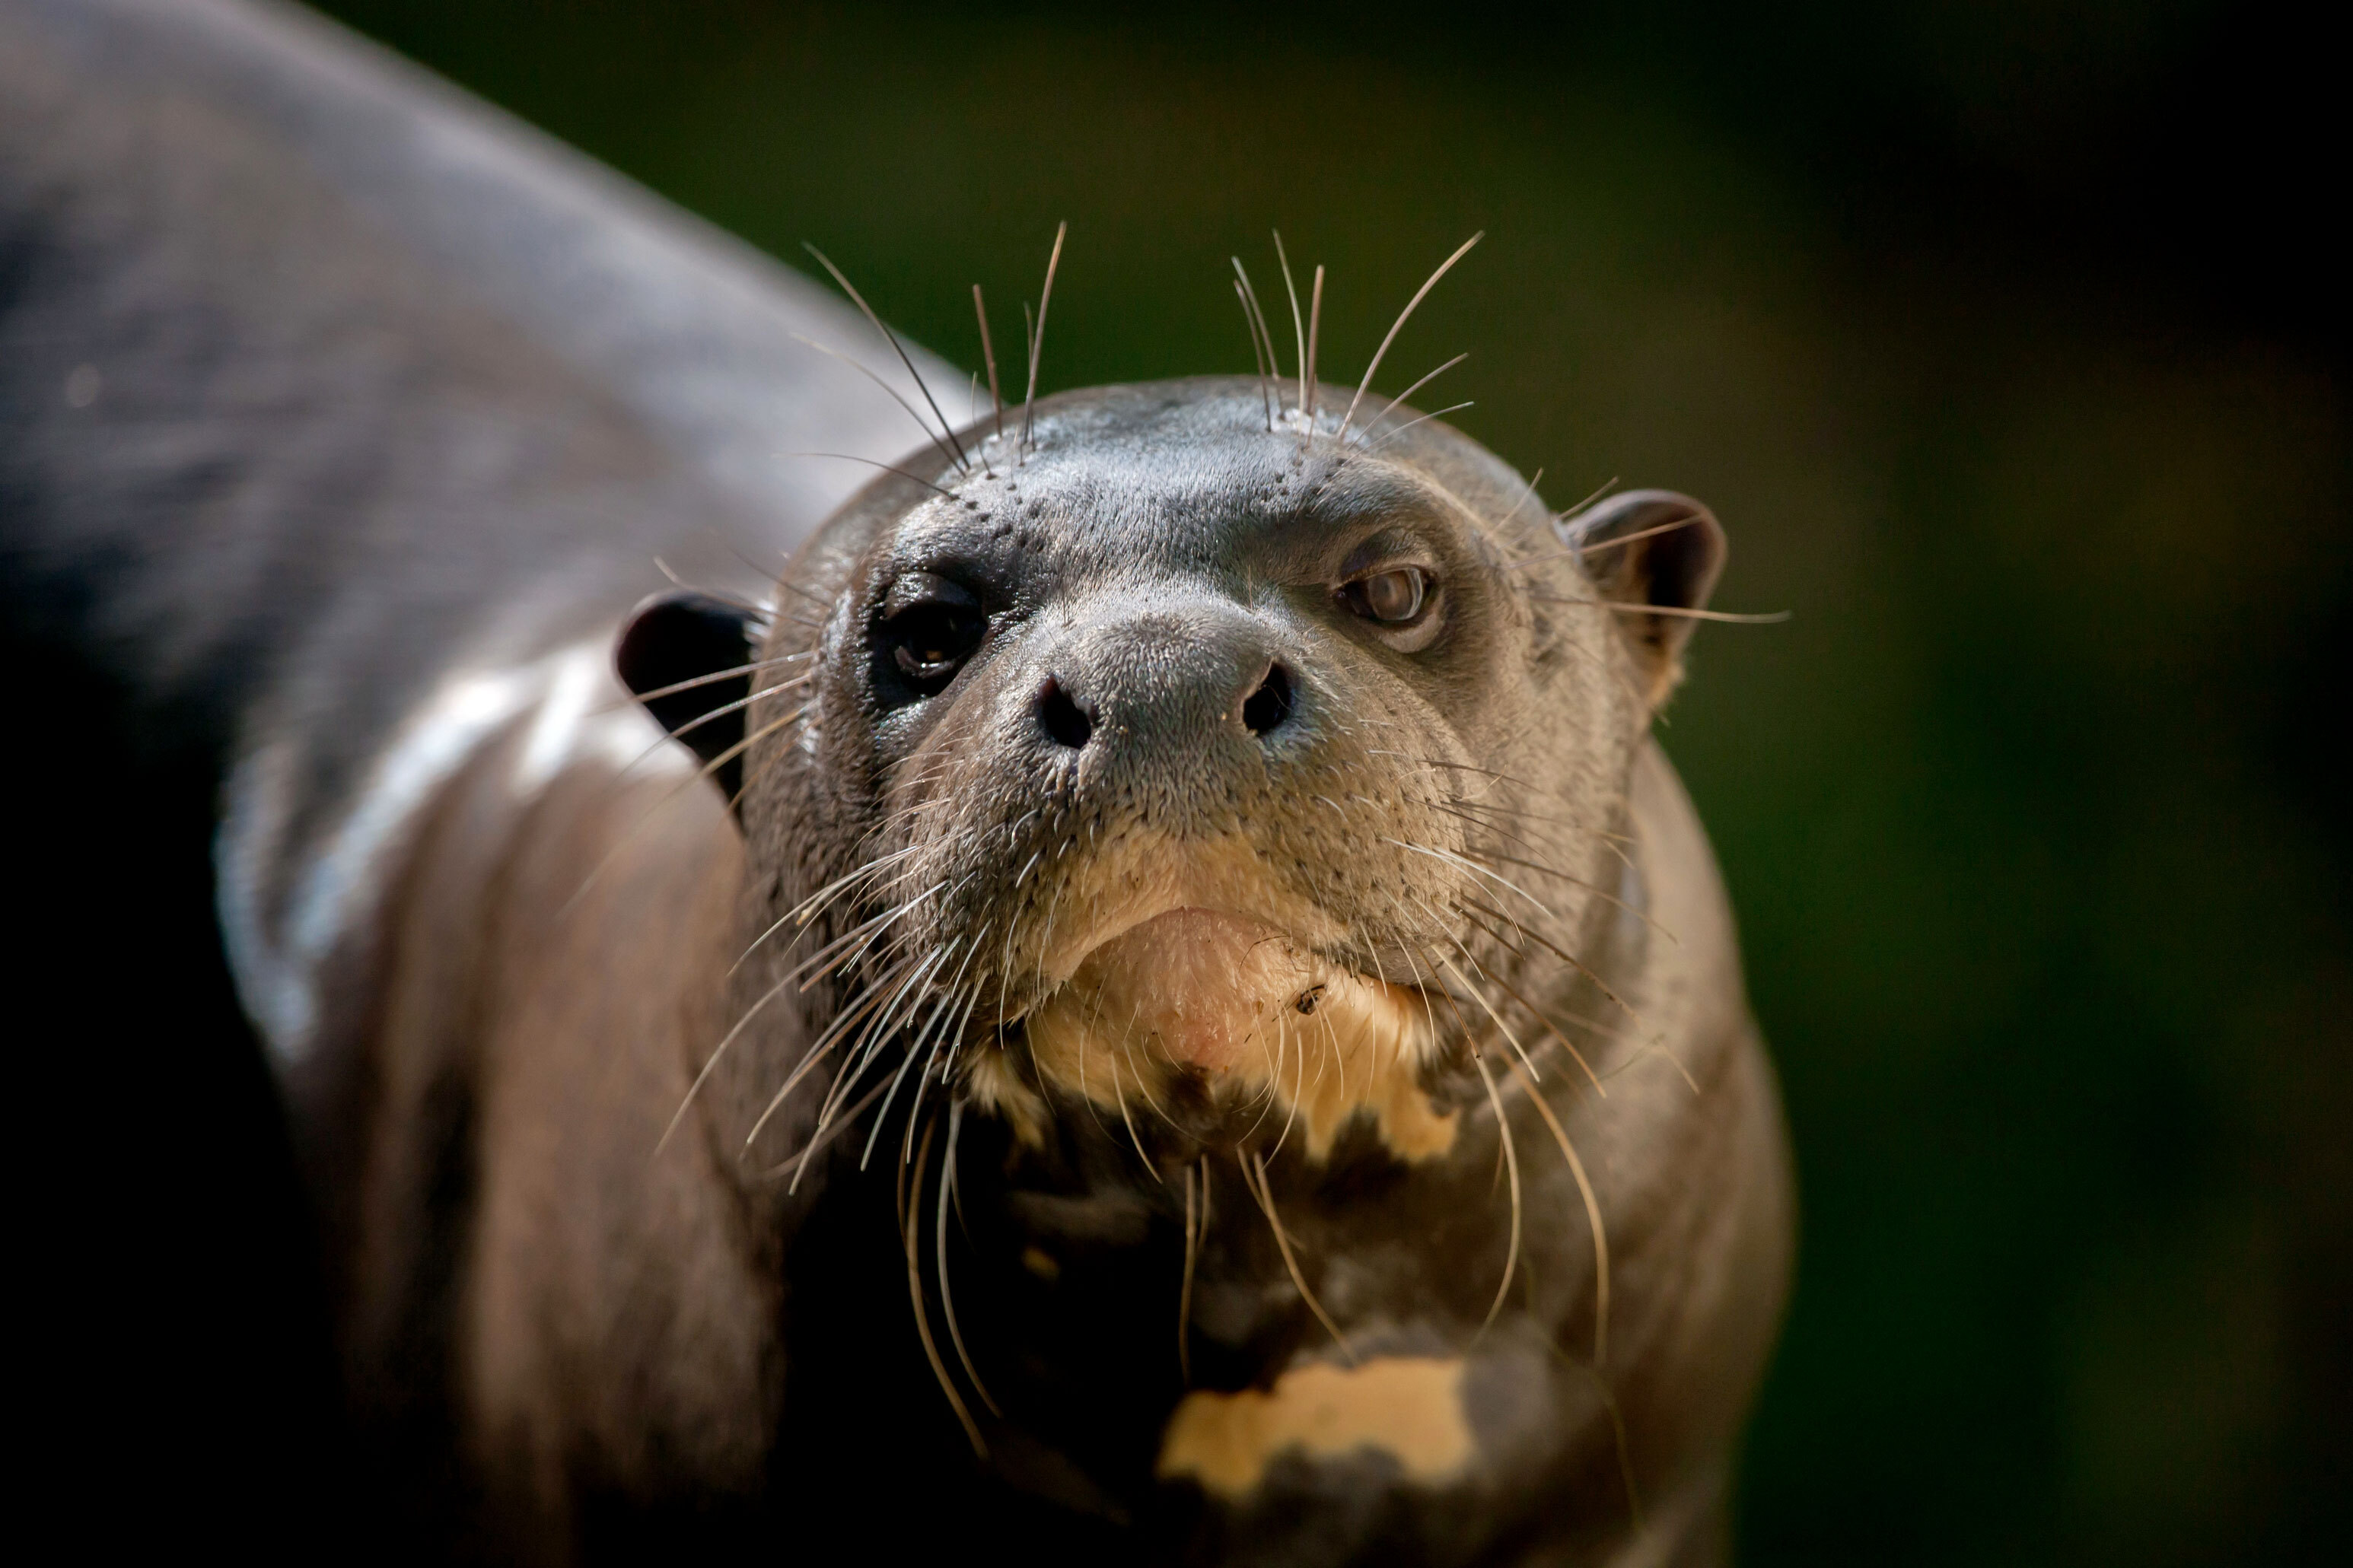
x=1217, y=821
x=1177, y=739
x=1180, y=795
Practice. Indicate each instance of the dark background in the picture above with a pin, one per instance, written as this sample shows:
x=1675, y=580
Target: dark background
x=2009, y=342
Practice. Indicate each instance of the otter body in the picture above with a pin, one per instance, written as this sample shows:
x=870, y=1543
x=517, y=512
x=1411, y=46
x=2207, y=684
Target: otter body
x=1161, y=999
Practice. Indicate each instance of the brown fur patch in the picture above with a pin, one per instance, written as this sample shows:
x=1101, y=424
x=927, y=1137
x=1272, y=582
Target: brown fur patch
x=1359, y=1051
x=1409, y=1408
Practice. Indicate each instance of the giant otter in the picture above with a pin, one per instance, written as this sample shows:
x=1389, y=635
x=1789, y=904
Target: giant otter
x=1158, y=999
x=1314, y=1090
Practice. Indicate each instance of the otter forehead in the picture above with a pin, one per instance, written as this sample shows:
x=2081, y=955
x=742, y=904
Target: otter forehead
x=1187, y=477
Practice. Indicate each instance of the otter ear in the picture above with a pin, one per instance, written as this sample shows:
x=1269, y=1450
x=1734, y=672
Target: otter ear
x=684, y=655
x=1651, y=550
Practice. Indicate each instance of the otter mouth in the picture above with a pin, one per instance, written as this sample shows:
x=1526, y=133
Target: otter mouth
x=1256, y=1017
x=1200, y=988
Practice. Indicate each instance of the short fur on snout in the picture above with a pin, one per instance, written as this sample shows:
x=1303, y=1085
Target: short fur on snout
x=1264, y=987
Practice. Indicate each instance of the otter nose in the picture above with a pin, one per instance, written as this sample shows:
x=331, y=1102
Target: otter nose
x=1058, y=714
x=1162, y=679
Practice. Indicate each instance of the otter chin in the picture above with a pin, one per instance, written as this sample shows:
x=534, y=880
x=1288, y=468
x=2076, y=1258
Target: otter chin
x=1232, y=1009
x=1211, y=991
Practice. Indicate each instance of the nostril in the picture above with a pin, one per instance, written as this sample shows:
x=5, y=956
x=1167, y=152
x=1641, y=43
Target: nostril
x=1063, y=719
x=1268, y=707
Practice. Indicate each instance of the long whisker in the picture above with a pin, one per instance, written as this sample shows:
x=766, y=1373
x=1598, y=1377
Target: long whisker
x=1259, y=333
x=825, y=1132
x=1495, y=808
x=1409, y=391
x=896, y=347
x=833, y=949
x=1273, y=1082
x=1582, y=551
x=877, y=1035
x=1468, y=810
x=1568, y=958
x=1338, y=1058
x=1119, y=1093
x=760, y=770
x=1126, y=1043
x=1607, y=898
x=1265, y=1196
x=1298, y=326
x=1769, y=618
x=1592, y=1216
x=1657, y=1048
x=845, y=960
x=915, y=1049
x=996, y=397
x=1544, y=1019
x=1481, y=997
x=1512, y=1161
x=850, y=1019
x=923, y=1318
x=886, y=468
x=1386, y=436
x=931, y=1058
x=789, y=586
x=1298, y=1080
x=1314, y=322
x=708, y=770
x=799, y=1162
x=742, y=1022
x=1258, y=357
x=752, y=607
x=1258, y=316
x=940, y=1228
x=939, y=1039
x=735, y=672
x=1451, y=765
x=1449, y=858
x=700, y=720
x=1037, y=340
x=720, y=1049
x=1379, y=354
x=1428, y=984
x=813, y=905
x=1086, y=1090
x=1569, y=514
x=930, y=435
x=1527, y=493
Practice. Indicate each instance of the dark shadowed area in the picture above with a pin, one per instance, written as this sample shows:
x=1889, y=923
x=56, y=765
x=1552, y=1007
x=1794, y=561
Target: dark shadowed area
x=2007, y=341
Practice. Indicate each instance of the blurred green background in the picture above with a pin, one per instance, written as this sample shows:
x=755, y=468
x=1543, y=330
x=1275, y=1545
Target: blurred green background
x=2007, y=340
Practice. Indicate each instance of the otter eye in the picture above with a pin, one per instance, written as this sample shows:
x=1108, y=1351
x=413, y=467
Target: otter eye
x=1393, y=597
x=930, y=625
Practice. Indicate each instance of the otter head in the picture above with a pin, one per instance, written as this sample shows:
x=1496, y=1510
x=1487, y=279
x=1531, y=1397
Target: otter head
x=1204, y=813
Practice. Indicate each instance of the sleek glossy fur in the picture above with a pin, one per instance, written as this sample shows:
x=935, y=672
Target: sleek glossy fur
x=1436, y=1208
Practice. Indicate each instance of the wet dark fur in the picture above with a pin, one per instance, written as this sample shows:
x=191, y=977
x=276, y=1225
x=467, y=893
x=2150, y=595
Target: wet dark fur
x=321, y=465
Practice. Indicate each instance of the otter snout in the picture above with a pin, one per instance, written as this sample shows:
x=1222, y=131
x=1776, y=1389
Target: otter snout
x=1205, y=682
